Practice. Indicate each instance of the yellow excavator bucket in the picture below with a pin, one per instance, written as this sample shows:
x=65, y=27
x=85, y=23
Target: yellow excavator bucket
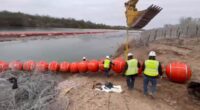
x=138, y=19
x=131, y=16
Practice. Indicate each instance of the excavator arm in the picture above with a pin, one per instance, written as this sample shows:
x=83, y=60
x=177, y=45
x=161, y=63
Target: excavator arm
x=138, y=19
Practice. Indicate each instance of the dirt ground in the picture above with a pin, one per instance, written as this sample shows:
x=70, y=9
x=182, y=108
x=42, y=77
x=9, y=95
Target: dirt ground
x=170, y=96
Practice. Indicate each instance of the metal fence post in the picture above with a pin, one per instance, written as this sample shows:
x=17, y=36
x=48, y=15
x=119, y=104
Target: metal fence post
x=197, y=30
x=156, y=33
x=165, y=34
x=170, y=33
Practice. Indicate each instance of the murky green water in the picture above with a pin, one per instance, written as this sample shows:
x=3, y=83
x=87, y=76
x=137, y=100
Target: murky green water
x=71, y=48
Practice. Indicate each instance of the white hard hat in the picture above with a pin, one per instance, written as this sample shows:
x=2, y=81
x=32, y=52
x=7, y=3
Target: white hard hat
x=84, y=58
x=152, y=53
x=107, y=57
x=130, y=54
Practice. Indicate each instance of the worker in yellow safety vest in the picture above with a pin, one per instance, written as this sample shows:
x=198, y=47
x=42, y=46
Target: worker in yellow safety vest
x=152, y=69
x=131, y=70
x=107, y=64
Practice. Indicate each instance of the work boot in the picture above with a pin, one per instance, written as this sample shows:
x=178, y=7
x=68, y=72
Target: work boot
x=130, y=88
x=152, y=95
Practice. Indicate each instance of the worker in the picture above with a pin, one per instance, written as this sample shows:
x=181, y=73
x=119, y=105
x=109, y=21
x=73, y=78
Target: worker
x=152, y=69
x=107, y=63
x=131, y=70
x=84, y=59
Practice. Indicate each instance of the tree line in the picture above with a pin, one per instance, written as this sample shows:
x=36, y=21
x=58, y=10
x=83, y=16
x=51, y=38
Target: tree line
x=18, y=19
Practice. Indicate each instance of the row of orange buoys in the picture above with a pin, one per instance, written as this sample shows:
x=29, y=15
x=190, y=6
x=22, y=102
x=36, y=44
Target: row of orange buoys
x=24, y=34
x=175, y=71
x=54, y=66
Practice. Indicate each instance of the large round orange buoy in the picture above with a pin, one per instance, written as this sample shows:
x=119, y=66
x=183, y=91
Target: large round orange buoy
x=53, y=66
x=101, y=67
x=29, y=65
x=82, y=66
x=42, y=66
x=3, y=66
x=64, y=67
x=119, y=64
x=16, y=65
x=74, y=67
x=178, y=72
x=93, y=66
x=140, y=69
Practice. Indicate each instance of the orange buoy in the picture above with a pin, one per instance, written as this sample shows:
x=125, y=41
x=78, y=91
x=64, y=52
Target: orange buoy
x=16, y=65
x=3, y=66
x=119, y=64
x=29, y=65
x=140, y=69
x=101, y=67
x=64, y=67
x=82, y=66
x=53, y=66
x=178, y=72
x=93, y=66
x=42, y=66
x=74, y=67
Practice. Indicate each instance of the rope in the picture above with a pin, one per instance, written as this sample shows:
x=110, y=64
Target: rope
x=126, y=44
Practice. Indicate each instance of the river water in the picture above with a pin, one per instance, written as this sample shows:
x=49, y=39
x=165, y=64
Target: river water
x=69, y=48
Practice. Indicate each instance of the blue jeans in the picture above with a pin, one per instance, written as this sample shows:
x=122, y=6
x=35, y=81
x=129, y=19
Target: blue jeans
x=106, y=71
x=130, y=80
x=153, y=82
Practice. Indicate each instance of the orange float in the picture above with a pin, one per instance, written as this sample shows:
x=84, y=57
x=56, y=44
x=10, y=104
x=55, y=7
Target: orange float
x=16, y=65
x=42, y=66
x=82, y=66
x=29, y=65
x=64, y=66
x=3, y=66
x=119, y=64
x=74, y=67
x=101, y=67
x=178, y=72
x=53, y=66
x=140, y=69
x=93, y=66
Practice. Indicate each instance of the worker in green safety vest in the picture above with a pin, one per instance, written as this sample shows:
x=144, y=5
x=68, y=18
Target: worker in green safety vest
x=107, y=64
x=131, y=70
x=152, y=69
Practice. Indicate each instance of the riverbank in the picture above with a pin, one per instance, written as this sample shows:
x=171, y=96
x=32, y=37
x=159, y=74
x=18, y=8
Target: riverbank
x=170, y=96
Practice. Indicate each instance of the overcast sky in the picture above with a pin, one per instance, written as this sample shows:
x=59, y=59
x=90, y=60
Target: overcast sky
x=109, y=12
